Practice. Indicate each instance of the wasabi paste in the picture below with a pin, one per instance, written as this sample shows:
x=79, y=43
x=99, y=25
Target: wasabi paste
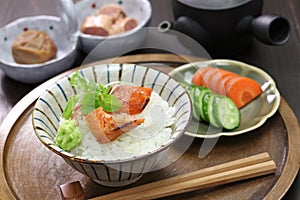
x=68, y=136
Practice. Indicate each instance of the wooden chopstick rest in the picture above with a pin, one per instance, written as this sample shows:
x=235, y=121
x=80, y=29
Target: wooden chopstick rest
x=241, y=169
x=72, y=191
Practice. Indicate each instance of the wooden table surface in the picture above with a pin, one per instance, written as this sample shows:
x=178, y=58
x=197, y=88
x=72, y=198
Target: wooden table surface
x=281, y=62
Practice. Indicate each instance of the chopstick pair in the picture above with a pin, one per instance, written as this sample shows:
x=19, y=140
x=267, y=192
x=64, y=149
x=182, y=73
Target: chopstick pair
x=237, y=170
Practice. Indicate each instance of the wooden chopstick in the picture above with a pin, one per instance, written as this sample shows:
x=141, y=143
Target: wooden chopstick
x=212, y=180
x=237, y=170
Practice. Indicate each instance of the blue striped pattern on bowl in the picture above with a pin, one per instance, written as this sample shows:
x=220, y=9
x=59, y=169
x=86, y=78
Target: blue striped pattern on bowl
x=49, y=107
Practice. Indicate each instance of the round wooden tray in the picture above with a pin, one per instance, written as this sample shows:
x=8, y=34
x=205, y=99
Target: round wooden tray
x=28, y=170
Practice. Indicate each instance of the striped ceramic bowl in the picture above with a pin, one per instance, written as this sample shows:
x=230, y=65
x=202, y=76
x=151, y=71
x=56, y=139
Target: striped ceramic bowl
x=115, y=172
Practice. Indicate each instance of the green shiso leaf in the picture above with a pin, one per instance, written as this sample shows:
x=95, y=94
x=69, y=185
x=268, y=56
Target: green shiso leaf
x=109, y=103
x=94, y=95
x=78, y=81
x=70, y=107
x=89, y=102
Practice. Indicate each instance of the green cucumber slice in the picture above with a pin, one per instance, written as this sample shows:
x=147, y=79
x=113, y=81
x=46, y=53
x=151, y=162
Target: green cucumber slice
x=211, y=117
x=218, y=110
x=204, y=91
x=193, y=91
x=205, y=105
x=226, y=112
x=197, y=94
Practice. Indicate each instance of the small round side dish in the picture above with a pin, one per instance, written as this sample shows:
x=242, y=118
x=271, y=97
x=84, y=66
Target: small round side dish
x=114, y=171
x=114, y=45
x=36, y=73
x=253, y=115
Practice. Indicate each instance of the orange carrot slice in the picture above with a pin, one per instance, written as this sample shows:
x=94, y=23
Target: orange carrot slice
x=197, y=78
x=216, y=80
x=208, y=75
x=222, y=82
x=242, y=90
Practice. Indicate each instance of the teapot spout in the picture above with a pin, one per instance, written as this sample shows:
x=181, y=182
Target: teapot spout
x=269, y=29
x=188, y=27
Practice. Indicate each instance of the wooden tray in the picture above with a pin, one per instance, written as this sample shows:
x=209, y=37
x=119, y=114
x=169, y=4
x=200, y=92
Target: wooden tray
x=28, y=170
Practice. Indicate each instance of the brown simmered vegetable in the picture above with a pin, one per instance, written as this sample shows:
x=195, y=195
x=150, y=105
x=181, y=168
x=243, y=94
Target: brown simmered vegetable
x=113, y=10
x=97, y=25
x=32, y=47
x=110, y=19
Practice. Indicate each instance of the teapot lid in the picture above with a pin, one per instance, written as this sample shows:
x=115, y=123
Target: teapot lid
x=214, y=4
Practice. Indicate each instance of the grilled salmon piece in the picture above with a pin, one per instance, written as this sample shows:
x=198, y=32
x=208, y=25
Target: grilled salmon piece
x=133, y=98
x=106, y=127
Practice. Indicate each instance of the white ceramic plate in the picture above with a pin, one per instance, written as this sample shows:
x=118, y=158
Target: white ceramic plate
x=253, y=115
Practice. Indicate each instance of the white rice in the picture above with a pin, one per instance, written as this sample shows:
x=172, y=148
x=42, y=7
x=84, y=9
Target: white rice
x=154, y=132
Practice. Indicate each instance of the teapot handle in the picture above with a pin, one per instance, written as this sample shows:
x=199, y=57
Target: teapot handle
x=269, y=29
x=188, y=27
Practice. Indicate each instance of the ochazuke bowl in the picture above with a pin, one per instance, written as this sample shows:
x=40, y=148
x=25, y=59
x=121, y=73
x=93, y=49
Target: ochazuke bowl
x=115, y=172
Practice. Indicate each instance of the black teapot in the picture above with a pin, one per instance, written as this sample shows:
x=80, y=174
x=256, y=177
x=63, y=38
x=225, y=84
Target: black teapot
x=226, y=27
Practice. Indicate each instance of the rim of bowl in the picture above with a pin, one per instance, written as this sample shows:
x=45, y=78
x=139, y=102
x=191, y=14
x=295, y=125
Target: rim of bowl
x=70, y=156
x=55, y=60
x=140, y=25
